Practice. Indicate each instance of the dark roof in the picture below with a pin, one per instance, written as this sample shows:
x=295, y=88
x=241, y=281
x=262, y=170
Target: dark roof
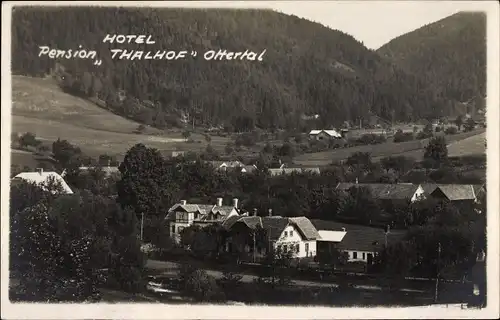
x=478, y=188
x=389, y=191
x=362, y=238
x=456, y=192
x=276, y=224
x=429, y=187
x=306, y=227
x=229, y=222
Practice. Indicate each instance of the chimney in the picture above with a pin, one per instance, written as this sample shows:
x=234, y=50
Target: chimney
x=219, y=202
x=254, y=212
x=343, y=229
x=109, y=162
x=183, y=202
x=270, y=212
x=235, y=202
x=357, y=181
x=39, y=170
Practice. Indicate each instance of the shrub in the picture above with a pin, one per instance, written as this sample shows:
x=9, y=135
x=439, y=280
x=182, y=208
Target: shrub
x=401, y=136
x=202, y=287
x=371, y=139
x=451, y=130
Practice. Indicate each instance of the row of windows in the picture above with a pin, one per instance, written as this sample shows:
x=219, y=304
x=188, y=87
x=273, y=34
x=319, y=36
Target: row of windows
x=355, y=255
x=292, y=247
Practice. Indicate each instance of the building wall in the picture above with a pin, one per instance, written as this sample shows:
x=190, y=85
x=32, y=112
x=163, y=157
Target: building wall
x=291, y=237
x=418, y=194
x=358, y=256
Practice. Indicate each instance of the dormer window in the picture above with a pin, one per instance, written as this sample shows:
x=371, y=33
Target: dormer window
x=285, y=234
x=291, y=233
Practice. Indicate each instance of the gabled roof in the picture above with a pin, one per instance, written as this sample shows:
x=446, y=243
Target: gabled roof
x=275, y=225
x=361, y=238
x=385, y=191
x=454, y=192
x=107, y=170
x=429, y=187
x=332, y=133
x=43, y=178
x=306, y=227
x=279, y=171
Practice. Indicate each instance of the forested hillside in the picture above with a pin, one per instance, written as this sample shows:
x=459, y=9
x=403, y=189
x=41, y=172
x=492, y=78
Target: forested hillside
x=450, y=54
x=307, y=69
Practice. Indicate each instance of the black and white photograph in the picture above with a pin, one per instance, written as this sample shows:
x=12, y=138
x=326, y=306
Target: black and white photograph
x=250, y=159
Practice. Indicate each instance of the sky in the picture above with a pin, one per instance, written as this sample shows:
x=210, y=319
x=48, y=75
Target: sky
x=372, y=22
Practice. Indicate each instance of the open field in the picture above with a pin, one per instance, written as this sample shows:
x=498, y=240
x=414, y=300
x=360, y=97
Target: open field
x=40, y=107
x=468, y=146
x=414, y=148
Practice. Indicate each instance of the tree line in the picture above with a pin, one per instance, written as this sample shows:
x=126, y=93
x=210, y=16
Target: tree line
x=340, y=79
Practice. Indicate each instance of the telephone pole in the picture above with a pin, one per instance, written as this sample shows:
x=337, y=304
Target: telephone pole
x=438, y=271
x=142, y=225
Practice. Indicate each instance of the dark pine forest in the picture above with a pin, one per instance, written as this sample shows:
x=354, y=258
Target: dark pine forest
x=308, y=68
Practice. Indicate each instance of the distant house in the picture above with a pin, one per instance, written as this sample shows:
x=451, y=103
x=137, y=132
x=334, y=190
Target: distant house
x=324, y=134
x=224, y=165
x=284, y=234
x=183, y=214
x=455, y=192
x=283, y=170
x=361, y=243
x=108, y=171
x=247, y=169
x=389, y=191
x=44, y=179
x=176, y=154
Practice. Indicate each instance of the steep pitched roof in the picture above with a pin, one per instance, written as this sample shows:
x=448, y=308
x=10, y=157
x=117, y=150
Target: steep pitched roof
x=276, y=225
x=107, y=170
x=387, y=191
x=43, y=178
x=361, y=238
x=429, y=187
x=332, y=133
x=306, y=227
x=454, y=192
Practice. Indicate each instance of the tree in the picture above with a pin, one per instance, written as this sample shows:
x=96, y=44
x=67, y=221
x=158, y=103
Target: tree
x=66, y=155
x=186, y=134
x=436, y=150
x=147, y=183
x=400, y=164
x=28, y=140
x=469, y=125
x=459, y=121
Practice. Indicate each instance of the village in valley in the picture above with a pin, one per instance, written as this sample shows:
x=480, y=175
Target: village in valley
x=164, y=205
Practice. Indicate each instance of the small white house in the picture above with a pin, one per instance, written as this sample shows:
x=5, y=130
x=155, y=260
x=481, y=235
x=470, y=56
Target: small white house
x=44, y=179
x=324, y=134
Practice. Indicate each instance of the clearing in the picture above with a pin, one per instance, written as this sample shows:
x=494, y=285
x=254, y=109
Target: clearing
x=464, y=143
x=41, y=107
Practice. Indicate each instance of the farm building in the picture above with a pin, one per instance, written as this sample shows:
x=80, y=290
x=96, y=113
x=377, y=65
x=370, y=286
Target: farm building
x=324, y=134
x=388, y=191
x=44, y=180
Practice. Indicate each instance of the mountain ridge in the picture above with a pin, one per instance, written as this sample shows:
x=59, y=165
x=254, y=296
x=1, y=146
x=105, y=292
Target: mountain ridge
x=302, y=72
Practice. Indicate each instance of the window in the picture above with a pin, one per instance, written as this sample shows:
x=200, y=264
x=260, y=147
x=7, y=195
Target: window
x=278, y=248
x=363, y=255
x=354, y=255
x=291, y=233
x=297, y=248
x=285, y=248
x=173, y=229
x=286, y=233
x=307, y=247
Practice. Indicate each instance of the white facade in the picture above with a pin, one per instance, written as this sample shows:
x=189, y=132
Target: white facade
x=290, y=238
x=419, y=194
x=358, y=256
